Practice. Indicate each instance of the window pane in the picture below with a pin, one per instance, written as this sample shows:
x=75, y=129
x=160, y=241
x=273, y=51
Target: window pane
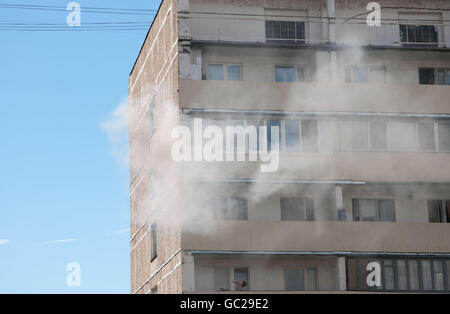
x=426, y=275
x=241, y=279
x=402, y=135
x=389, y=276
x=367, y=209
x=352, y=274
x=413, y=275
x=311, y=277
x=310, y=209
x=292, y=136
x=216, y=72
x=360, y=74
x=348, y=74
x=441, y=77
x=222, y=279
x=438, y=275
x=293, y=209
x=356, y=212
x=310, y=136
x=403, y=33
x=355, y=135
x=377, y=75
x=426, y=136
x=426, y=76
x=285, y=74
x=444, y=136
x=402, y=278
x=448, y=77
x=234, y=72
x=220, y=208
x=387, y=211
x=300, y=34
x=435, y=211
x=270, y=124
x=378, y=135
x=301, y=76
x=238, y=208
x=294, y=279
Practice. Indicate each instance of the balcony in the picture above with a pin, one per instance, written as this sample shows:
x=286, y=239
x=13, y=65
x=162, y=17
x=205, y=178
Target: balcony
x=256, y=236
x=314, y=97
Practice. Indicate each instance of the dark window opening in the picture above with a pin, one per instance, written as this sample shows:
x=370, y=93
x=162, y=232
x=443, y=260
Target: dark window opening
x=297, y=209
x=422, y=35
x=400, y=274
x=285, y=32
x=154, y=247
x=230, y=208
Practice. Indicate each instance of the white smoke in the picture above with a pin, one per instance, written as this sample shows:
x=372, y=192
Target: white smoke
x=116, y=127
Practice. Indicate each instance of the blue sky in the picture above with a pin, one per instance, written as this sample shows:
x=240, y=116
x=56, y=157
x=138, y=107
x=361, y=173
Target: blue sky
x=62, y=174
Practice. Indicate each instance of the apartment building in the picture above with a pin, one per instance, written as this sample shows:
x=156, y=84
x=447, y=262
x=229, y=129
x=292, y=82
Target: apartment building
x=363, y=115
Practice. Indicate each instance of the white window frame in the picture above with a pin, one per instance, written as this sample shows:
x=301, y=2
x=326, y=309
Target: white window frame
x=232, y=271
x=225, y=70
x=297, y=67
x=305, y=269
x=283, y=147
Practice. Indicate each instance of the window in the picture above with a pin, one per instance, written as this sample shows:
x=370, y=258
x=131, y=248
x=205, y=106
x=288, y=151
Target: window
x=292, y=136
x=439, y=211
x=154, y=247
x=444, y=136
x=426, y=136
x=438, y=268
x=230, y=208
x=378, y=135
x=373, y=210
x=297, y=209
x=228, y=72
x=285, y=32
x=419, y=35
x=427, y=280
x=215, y=72
x=389, y=280
x=289, y=74
x=354, y=135
x=300, y=279
x=413, y=275
x=401, y=274
x=402, y=136
x=270, y=124
x=222, y=279
x=310, y=136
x=357, y=74
x=241, y=282
x=365, y=74
x=434, y=76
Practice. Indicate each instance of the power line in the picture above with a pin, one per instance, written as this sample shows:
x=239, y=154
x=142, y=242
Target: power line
x=99, y=10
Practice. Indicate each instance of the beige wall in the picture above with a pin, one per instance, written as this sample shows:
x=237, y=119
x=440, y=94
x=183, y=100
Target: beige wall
x=265, y=272
x=250, y=27
x=317, y=237
x=154, y=79
x=264, y=201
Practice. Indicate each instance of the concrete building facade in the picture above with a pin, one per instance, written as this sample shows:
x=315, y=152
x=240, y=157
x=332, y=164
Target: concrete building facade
x=364, y=148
